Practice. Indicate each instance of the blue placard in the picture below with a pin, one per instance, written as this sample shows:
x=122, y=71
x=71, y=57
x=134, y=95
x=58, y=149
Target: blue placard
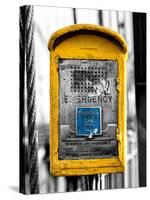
x=88, y=121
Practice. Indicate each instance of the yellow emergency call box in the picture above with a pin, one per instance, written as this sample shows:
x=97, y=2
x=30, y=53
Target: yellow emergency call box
x=87, y=100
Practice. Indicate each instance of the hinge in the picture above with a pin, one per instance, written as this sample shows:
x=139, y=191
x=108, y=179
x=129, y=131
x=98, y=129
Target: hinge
x=118, y=84
x=118, y=135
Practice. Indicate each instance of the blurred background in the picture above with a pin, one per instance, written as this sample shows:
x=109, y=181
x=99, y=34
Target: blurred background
x=132, y=26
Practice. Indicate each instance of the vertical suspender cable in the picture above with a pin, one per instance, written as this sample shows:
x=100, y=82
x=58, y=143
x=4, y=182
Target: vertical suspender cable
x=31, y=107
x=22, y=169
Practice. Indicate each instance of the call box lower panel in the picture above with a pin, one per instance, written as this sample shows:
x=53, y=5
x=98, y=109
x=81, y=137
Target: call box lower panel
x=88, y=104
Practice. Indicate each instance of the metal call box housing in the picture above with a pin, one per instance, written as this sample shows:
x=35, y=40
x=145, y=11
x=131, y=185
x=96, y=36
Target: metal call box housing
x=87, y=100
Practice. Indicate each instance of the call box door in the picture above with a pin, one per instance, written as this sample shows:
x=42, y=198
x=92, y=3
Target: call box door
x=88, y=109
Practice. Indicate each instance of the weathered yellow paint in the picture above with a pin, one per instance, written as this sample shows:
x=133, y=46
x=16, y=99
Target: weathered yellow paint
x=95, y=42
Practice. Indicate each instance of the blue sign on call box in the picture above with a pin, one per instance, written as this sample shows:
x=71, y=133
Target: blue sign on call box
x=88, y=121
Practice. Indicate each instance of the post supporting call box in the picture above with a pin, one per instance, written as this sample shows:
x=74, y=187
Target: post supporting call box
x=87, y=100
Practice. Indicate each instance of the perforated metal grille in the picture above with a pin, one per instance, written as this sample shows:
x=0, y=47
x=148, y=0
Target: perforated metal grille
x=83, y=78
